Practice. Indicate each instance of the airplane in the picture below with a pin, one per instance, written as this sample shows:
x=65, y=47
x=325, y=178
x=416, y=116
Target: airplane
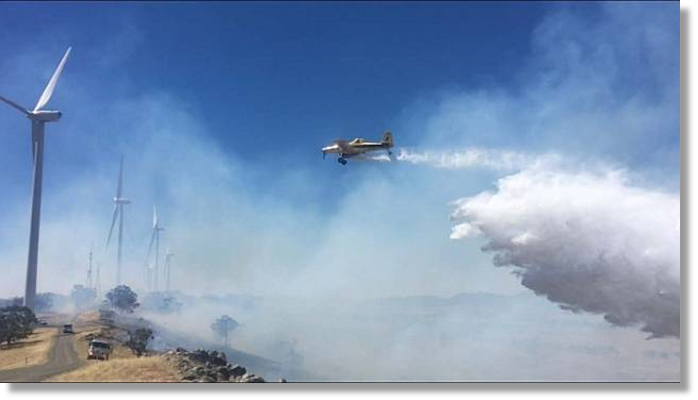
x=346, y=149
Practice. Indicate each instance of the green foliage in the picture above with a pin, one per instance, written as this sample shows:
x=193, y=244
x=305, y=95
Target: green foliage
x=43, y=302
x=16, y=322
x=83, y=297
x=224, y=325
x=162, y=303
x=123, y=299
x=138, y=341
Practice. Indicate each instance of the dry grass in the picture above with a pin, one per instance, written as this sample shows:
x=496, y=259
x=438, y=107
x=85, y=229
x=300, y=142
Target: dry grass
x=90, y=317
x=30, y=351
x=122, y=366
x=145, y=369
x=89, y=325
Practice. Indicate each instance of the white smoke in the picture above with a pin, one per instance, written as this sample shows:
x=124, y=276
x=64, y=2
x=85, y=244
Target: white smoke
x=586, y=240
x=466, y=158
x=473, y=157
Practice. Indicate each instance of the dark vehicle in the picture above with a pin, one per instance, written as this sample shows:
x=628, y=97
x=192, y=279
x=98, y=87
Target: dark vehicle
x=68, y=328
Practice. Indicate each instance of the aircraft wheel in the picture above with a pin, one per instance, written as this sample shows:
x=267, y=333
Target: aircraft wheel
x=342, y=161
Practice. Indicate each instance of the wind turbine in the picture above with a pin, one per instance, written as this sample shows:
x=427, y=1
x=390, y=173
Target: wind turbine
x=89, y=270
x=38, y=117
x=119, y=203
x=155, y=238
x=168, y=265
x=98, y=283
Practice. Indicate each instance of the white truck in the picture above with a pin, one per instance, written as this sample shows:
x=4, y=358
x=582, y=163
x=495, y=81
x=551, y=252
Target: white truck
x=99, y=350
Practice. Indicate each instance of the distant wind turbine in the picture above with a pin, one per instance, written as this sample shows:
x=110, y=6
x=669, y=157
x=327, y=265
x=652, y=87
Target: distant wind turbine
x=89, y=270
x=168, y=265
x=155, y=238
x=38, y=118
x=119, y=202
x=98, y=283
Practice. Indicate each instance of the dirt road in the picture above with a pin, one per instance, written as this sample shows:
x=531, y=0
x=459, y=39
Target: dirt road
x=62, y=358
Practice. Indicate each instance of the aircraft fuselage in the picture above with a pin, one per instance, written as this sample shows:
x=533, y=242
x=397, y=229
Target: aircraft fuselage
x=347, y=149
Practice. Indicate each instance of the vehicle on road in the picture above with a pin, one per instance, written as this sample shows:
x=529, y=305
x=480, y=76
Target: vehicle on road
x=68, y=328
x=99, y=349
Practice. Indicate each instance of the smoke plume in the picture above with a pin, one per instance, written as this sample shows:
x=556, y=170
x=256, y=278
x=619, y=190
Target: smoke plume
x=473, y=157
x=589, y=241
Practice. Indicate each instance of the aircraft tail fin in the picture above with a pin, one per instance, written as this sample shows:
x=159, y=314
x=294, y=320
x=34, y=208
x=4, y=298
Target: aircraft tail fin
x=388, y=139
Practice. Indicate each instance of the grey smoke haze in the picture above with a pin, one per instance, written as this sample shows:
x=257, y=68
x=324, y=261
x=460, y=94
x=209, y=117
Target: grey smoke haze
x=475, y=336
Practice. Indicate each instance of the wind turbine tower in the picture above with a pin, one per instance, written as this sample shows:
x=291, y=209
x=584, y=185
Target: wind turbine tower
x=98, y=283
x=89, y=270
x=119, y=202
x=168, y=266
x=38, y=117
x=155, y=238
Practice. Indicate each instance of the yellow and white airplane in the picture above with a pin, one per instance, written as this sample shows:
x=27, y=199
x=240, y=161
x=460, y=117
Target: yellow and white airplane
x=346, y=149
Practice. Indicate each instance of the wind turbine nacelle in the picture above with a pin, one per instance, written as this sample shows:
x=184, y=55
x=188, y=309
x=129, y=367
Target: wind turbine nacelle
x=45, y=115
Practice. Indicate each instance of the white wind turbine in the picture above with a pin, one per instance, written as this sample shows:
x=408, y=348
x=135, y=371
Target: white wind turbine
x=168, y=265
x=119, y=202
x=155, y=238
x=38, y=118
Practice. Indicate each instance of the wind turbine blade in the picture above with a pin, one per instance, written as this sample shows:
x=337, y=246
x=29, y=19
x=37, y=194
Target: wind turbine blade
x=15, y=105
x=113, y=222
x=155, y=217
x=120, y=187
x=46, y=95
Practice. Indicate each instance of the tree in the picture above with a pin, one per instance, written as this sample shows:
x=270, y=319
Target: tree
x=224, y=325
x=43, y=302
x=170, y=305
x=162, y=303
x=138, y=341
x=83, y=297
x=16, y=322
x=123, y=299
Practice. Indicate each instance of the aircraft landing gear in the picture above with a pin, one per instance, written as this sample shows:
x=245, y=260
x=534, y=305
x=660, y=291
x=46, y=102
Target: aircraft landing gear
x=342, y=161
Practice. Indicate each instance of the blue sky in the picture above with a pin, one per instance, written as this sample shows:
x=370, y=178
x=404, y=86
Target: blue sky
x=231, y=103
x=263, y=74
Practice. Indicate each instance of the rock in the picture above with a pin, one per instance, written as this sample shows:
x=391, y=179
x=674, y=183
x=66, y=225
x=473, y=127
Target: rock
x=252, y=379
x=190, y=377
x=210, y=366
x=237, y=371
x=223, y=372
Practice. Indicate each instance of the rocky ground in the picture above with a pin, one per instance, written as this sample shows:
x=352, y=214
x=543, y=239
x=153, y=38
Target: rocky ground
x=209, y=366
